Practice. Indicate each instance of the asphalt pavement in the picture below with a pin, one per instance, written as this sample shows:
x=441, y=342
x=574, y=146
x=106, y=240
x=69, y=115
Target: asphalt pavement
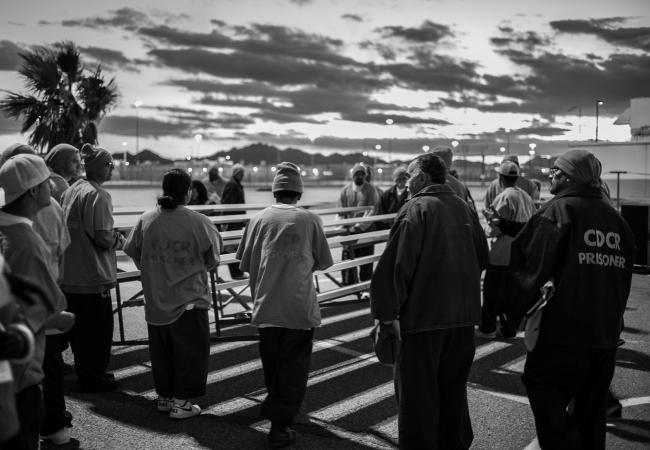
x=349, y=402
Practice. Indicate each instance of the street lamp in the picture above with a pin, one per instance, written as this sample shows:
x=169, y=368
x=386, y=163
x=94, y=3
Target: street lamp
x=507, y=130
x=425, y=148
x=136, y=105
x=531, y=152
x=126, y=160
x=389, y=122
x=198, y=137
x=502, y=149
x=598, y=104
x=454, y=144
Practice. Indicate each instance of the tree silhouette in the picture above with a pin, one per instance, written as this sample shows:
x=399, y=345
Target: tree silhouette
x=64, y=99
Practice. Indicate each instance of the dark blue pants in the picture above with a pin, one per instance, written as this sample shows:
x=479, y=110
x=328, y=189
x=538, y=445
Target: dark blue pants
x=91, y=336
x=431, y=389
x=179, y=355
x=555, y=374
x=286, y=356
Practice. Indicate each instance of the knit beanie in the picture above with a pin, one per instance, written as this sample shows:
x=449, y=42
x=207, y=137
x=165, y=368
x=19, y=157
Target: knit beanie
x=580, y=165
x=95, y=157
x=287, y=178
x=59, y=157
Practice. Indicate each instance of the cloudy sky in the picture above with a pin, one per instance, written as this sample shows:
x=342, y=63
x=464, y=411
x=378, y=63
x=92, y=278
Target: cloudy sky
x=324, y=75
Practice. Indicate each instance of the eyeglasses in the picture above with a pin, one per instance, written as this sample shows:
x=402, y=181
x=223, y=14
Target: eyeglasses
x=556, y=172
x=110, y=164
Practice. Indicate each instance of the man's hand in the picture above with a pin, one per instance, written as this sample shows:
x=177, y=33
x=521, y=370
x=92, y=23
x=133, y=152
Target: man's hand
x=62, y=321
x=391, y=327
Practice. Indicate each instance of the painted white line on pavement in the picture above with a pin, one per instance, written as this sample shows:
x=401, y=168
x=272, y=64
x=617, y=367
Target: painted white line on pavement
x=635, y=401
x=533, y=445
x=318, y=376
x=388, y=427
x=364, y=439
x=352, y=404
x=144, y=367
x=489, y=348
x=514, y=397
x=513, y=367
x=252, y=365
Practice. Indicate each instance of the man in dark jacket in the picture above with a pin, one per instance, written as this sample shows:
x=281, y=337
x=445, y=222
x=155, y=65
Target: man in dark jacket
x=233, y=193
x=581, y=243
x=426, y=288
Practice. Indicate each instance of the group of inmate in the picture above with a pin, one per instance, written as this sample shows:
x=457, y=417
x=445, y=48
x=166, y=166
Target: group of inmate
x=59, y=265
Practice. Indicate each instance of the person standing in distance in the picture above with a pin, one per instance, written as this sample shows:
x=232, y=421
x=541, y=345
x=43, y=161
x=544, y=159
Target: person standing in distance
x=427, y=287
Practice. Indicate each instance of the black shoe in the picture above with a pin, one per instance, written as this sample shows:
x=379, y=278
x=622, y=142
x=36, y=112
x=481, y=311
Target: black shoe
x=281, y=437
x=507, y=333
x=614, y=411
x=100, y=384
x=108, y=376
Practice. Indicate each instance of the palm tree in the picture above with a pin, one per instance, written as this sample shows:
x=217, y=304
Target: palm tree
x=64, y=100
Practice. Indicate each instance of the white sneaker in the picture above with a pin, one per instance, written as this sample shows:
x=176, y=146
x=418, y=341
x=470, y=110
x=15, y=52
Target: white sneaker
x=61, y=437
x=184, y=410
x=164, y=404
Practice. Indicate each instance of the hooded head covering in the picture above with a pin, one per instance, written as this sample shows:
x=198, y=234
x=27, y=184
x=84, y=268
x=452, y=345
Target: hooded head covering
x=237, y=168
x=94, y=157
x=358, y=168
x=20, y=173
x=59, y=157
x=287, y=178
x=580, y=165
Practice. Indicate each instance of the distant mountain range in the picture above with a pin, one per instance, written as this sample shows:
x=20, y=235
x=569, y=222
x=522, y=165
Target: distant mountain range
x=255, y=154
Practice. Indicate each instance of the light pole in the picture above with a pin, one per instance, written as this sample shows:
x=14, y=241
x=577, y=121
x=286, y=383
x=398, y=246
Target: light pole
x=377, y=148
x=531, y=152
x=126, y=159
x=389, y=122
x=425, y=148
x=198, y=137
x=507, y=140
x=136, y=105
x=598, y=104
